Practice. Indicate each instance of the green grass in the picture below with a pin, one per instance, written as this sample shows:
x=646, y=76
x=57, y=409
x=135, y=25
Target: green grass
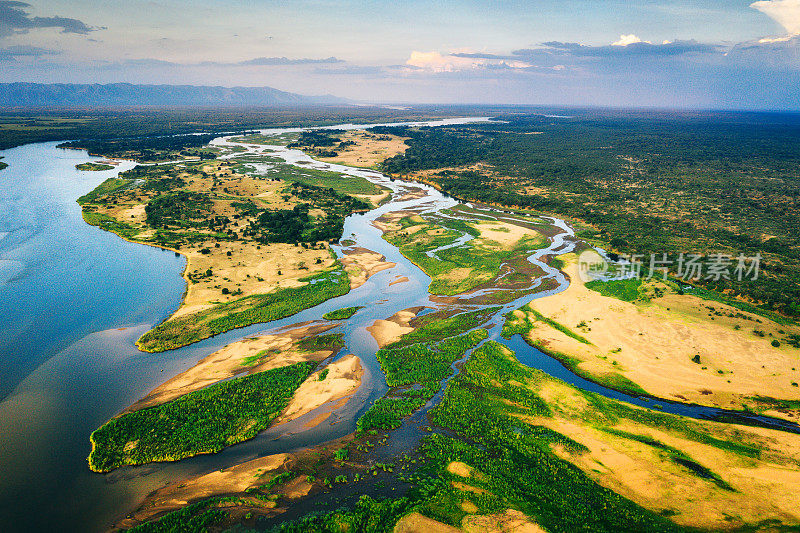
x=514, y=325
x=94, y=167
x=203, y=421
x=425, y=365
x=107, y=187
x=126, y=231
x=483, y=262
x=342, y=314
x=519, y=469
x=626, y=290
x=245, y=311
x=434, y=328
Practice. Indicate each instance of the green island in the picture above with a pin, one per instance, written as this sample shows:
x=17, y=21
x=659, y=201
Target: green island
x=417, y=365
x=342, y=314
x=462, y=268
x=203, y=421
x=94, y=167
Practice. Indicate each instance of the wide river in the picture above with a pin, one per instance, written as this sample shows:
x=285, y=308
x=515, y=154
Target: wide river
x=74, y=298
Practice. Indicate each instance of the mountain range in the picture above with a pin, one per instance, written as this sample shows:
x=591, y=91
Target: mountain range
x=127, y=94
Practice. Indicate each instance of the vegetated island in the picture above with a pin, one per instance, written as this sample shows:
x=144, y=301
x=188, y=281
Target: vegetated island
x=255, y=244
x=2, y=164
x=342, y=314
x=94, y=167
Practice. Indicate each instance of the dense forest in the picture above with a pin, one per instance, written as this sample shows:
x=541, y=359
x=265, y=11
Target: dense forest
x=297, y=224
x=22, y=126
x=644, y=183
x=147, y=148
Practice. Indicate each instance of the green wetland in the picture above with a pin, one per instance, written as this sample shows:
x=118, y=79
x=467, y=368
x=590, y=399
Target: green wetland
x=474, y=404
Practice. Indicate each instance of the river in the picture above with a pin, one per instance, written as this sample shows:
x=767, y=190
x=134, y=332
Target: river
x=75, y=298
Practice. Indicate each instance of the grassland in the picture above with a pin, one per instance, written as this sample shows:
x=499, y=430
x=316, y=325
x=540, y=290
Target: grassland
x=422, y=366
x=204, y=421
x=254, y=245
x=459, y=269
x=651, y=336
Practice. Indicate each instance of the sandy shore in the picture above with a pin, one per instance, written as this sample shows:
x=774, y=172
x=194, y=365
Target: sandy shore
x=231, y=361
x=386, y=332
x=342, y=380
x=361, y=264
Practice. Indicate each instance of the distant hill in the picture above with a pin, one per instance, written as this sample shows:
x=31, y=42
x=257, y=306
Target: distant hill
x=127, y=94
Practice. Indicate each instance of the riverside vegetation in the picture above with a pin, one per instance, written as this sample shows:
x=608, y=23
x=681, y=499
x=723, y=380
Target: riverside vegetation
x=734, y=178
x=204, y=421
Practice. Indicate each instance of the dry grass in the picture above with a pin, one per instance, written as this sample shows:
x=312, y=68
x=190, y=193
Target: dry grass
x=653, y=344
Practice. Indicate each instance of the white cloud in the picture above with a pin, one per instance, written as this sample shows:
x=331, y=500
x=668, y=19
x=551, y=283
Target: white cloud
x=784, y=12
x=461, y=59
x=625, y=40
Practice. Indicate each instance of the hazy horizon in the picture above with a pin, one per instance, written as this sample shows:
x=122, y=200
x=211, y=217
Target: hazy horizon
x=683, y=54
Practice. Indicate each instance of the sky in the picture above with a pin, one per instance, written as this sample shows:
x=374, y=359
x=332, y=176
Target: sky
x=726, y=54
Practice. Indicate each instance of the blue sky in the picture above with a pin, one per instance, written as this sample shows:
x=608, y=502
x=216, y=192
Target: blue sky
x=719, y=54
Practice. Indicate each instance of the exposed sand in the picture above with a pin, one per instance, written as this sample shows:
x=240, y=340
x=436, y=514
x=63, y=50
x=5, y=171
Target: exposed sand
x=386, y=332
x=249, y=269
x=342, y=381
x=762, y=488
x=507, y=234
x=417, y=523
x=234, y=479
x=400, y=279
x=653, y=345
x=229, y=362
x=369, y=150
x=508, y=521
x=361, y=264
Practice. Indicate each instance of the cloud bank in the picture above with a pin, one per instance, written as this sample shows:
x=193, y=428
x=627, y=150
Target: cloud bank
x=14, y=19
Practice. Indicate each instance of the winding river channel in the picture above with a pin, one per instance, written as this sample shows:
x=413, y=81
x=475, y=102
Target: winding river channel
x=75, y=298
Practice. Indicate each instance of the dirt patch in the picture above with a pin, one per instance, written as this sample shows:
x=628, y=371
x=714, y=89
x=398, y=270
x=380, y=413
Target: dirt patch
x=369, y=149
x=417, y=523
x=509, y=521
